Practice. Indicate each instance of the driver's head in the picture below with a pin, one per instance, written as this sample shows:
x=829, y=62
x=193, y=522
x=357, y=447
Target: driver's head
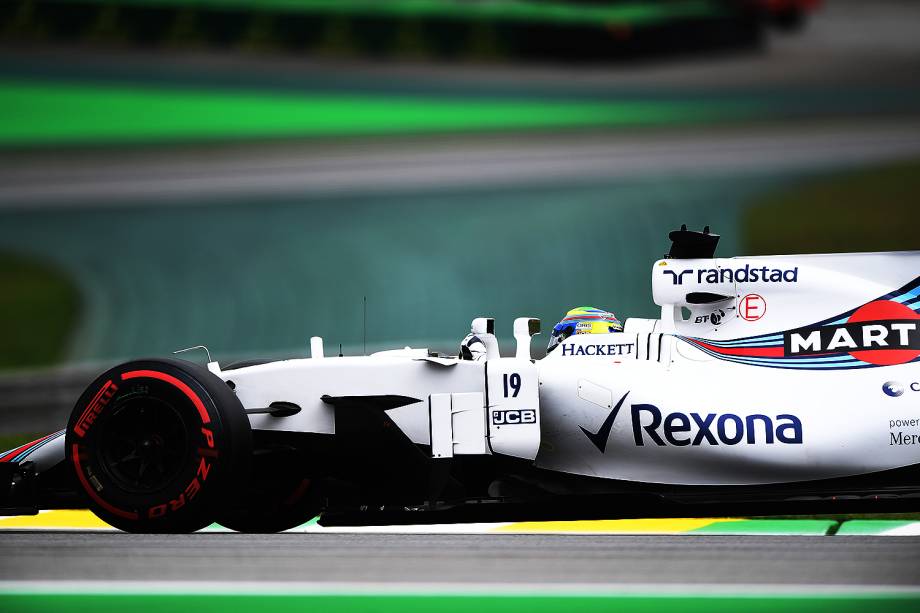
x=584, y=320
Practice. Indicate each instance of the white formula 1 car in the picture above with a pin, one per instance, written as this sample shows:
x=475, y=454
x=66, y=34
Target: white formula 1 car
x=766, y=380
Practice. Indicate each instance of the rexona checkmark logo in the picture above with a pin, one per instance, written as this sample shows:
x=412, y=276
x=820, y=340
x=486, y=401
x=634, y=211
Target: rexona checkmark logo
x=651, y=425
x=600, y=437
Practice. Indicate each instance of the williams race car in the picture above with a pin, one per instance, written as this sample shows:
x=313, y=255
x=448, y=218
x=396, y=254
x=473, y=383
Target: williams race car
x=782, y=380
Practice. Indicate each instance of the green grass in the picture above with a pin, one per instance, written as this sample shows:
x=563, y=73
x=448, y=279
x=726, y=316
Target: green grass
x=874, y=209
x=39, y=308
x=633, y=13
x=11, y=441
x=36, y=113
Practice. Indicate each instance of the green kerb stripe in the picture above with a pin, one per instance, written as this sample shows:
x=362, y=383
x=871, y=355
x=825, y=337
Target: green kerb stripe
x=769, y=526
x=872, y=526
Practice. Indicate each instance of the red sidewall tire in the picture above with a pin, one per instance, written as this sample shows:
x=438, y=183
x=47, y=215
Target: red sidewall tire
x=157, y=445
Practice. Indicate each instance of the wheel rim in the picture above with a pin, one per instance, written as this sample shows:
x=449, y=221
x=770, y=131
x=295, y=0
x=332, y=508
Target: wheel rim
x=144, y=444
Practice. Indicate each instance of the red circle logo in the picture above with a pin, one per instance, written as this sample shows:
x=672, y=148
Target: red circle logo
x=752, y=307
x=884, y=310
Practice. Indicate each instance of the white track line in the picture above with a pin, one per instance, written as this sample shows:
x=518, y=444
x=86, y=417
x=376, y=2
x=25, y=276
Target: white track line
x=753, y=590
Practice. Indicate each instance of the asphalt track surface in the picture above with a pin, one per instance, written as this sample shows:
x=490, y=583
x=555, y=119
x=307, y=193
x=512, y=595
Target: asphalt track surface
x=842, y=563
x=142, y=178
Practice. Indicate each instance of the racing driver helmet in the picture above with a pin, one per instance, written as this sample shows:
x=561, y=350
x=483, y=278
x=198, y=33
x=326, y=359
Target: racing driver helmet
x=584, y=320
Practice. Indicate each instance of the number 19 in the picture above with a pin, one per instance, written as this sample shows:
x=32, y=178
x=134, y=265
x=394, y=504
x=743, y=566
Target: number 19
x=514, y=382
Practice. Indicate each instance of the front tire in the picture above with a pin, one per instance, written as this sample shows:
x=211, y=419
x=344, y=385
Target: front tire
x=157, y=445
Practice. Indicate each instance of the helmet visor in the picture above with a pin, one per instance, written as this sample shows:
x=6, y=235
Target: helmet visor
x=561, y=332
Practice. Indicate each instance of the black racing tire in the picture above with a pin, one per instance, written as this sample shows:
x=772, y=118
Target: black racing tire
x=278, y=499
x=157, y=446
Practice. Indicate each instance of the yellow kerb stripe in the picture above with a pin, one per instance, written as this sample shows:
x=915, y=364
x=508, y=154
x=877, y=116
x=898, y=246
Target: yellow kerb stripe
x=86, y=520
x=56, y=519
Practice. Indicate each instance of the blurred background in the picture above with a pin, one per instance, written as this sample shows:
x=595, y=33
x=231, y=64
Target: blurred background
x=243, y=173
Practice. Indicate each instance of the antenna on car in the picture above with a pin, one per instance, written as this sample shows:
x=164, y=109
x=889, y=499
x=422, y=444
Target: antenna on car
x=365, y=325
x=340, y=350
x=208, y=353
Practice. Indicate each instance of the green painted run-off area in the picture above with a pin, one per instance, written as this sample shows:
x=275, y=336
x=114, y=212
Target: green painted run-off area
x=71, y=113
x=452, y=603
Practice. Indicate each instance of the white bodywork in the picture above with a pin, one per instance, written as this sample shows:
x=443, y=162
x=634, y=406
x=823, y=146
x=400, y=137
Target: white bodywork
x=745, y=379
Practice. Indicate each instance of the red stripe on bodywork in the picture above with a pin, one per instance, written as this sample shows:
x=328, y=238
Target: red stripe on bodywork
x=760, y=352
x=92, y=493
x=185, y=389
x=9, y=455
